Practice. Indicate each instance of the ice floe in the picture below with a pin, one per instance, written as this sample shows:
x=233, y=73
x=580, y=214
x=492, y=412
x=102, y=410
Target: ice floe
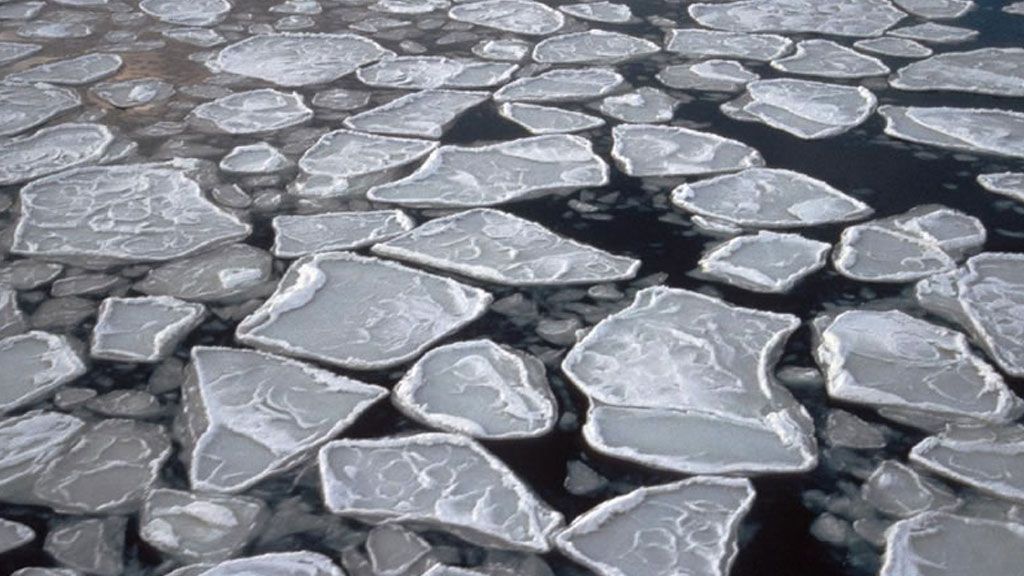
x=518, y=16
x=803, y=108
x=199, y=527
x=423, y=72
x=890, y=46
x=898, y=490
x=91, y=545
x=592, y=47
x=425, y=114
x=935, y=33
x=828, y=59
x=261, y=158
x=540, y=120
x=845, y=430
x=503, y=50
x=698, y=43
x=24, y=106
x=648, y=150
x=765, y=262
x=14, y=51
x=51, y=150
x=14, y=535
x=12, y=320
x=985, y=458
x=603, y=11
x=263, y=110
x=936, y=9
x=144, y=329
x=941, y=544
x=856, y=18
x=995, y=71
x=132, y=93
x=73, y=72
x=1009, y=184
x=301, y=563
x=296, y=236
x=710, y=75
x=561, y=86
x=230, y=273
x=979, y=130
x=36, y=364
x=643, y=105
x=187, y=12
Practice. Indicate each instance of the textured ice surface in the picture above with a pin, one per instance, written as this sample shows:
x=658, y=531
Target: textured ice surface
x=394, y=550
x=828, y=59
x=298, y=59
x=360, y=313
x=766, y=262
x=643, y=105
x=592, y=47
x=14, y=535
x=541, y=120
x=804, y=108
x=935, y=33
x=91, y=546
x=689, y=527
x=35, y=365
x=984, y=131
x=833, y=17
x=711, y=75
x=495, y=246
x=187, y=12
x=443, y=481
x=24, y=106
x=277, y=564
x=683, y=381
x=74, y=71
x=263, y=110
x=12, y=321
x=425, y=114
x=422, y=72
x=249, y=415
x=52, y=150
x=1009, y=184
x=503, y=50
x=995, y=71
x=846, y=430
x=130, y=213
x=697, y=43
x=261, y=158
x=132, y=93
x=28, y=443
x=898, y=490
x=891, y=359
x=124, y=403
x=602, y=11
x=889, y=46
x=224, y=274
x=941, y=544
x=480, y=389
x=199, y=527
x=769, y=198
x=936, y=9
x=296, y=236
x=561, y=86
x=988, y=459
x=144, y=329
x=519, y=16
x=14, y=51
x=647, y=150
x=462, y=176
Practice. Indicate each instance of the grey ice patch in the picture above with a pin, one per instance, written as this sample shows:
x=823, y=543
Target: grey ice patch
x=296, y=236
x=936, y=9
x=146, y=329
x=302, y=563
x=93, y=546
x=540, y=120
x=698, y=43
x=988, y=459
x=592, y=47
x=828, y=59
x=28, y=443
x=603, y=11
x=644, y=105
x=425, y=114
x=73, y=71
x=1009, y=184
x=24, y=106
x=857, y=18
x=561, y=86
x=890, y=46
x=14, y=51
x=898, y=490
x=199, y=527
x=976, y=130
x=261, y=158
x=14, y=535
x=132, y=93
x=255, y=111
x=994, y=71
x=937, y=543
x=935, y=33
x=648, y=150
x=35, y=365
x=767, y=262
x=803, y=108
x=708, y=75
x=431, y=72
x=187, y=12
x=518, y=16
x=52, y=150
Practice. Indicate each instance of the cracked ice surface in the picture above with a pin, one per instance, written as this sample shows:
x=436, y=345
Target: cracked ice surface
x=28, y=443
x=276, y=564
x=35, y=365
x=941, y=544
x=443, y=481
x=425, y=114
x=592, y=47
x=979, y=130
x=561, y=86
x=855, y=18
x=987, y=459
x=146, y=329
x=695, y=42
x=199, y=527
x=495, y=246
x=541, y=120
x=689, y=527
x=464, y=176
x=249, y=415
x=296, y=236
x=251, y=112
x=765, y=262
x=52, y=150
x=519, y=16
x=24, y=106
x=995, y=71
x=803, y=108
x=480, y=389
x=423, y=72
x=649, y=150
x=829, y=60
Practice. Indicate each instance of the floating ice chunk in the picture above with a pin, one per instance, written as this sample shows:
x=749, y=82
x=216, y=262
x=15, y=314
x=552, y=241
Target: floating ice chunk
x=27, y=444
x=298, y=59
x=603, y=11
x=14, y=51
x=644, y=105
x=889, y=46
x=74, y=71
x=940, y=544
x=277, y=564
x=711, y=75
x=890, y=359
x=249, y=415
x=14, y=535
x=341, y=99
x=132, y=93
x=461, y=176
x=592, y=47
x=261, y=158
x=988, y=459
x=697, y=43
x=251, y=112
x=202, y=37
x=766, y=262
x=199, y=527
x=296, y=236
x=827, y=59
x=495, y=246
x=230, y=273
x=52, y=150
x=804, y=108
x=1009, y=184
x=36, y=571
x=845, y=430
x=143, y=329
x=360, y=313
x=936, y=33
x=548, y=120
x=425, y=114
x=1016, y=8
x=130, y=213
x=688, y=527
x=35, y=365
x=936, y=9
x=393, y=550
x=977, y=130
x=995, y=71
x=126, y=404
x=519, y=16
x=12, y=321
x=187, y=12
x=898, y=490
x=646, y=150
x=421, y=72
x=505, y=50
x=24, y=106
x=442, y=570
x=769, y=198
x=856, y=18
x=480, y=389
x=93, y=546
x=444, y=481
x=561, y=86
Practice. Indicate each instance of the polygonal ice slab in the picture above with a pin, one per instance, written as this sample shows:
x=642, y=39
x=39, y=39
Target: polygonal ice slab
x=249, y=415
x=518, y=16
x=92, y=546
x=296, y=236
x=548, y=120
x=27, y=444
x=936, y=9
x=277, y=564
x=52, y=150
x=298, y=59
x=689, y=527
x=187, y=12
x=647, y=150
x=443, y=481
x=199, y=527
x=603, y=11
x=898, y=490
x=230, y=273
x=941, y=544
x=889, y=46
x=144, y=329
x=561, y=86
x=766, y=262
x=592, y=47
x=132, y=93
x=503, y=50
x=710, y=75
x=495, y=246
x=73, y=72
x=935, y=33
x=261, y=158
x=697, y=43
x=480, y=389
x=828, y=59
x=1009, y=184
x=989, y=459
x=251, y=112
x=425, y=114
x=107, y=469
x=461, y=176
x=423, y=72
x=14, y=535
x=35, y=365
x=803, y=108
x=643, y=105
x=891, y=359
x=393, y=549
x=360, y=313
x=24, y=106
x=977, y=130
x=856, y=18
x=995, y=71
x=14, y=51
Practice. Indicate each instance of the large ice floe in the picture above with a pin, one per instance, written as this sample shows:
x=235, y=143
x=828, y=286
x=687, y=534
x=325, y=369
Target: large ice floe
x=855, y=18
x=495, y=246
x=440, y=481
x=828, y=59
x=688, y=527
x=985, y=458
x=35, y=365
x=296, y=236
x=255, y=111
x=329, y=307
x=561, y=86
x=943, y=544
x=146, y=329
x=765, y=262
x=649, y=150
x=425, y=114
x=249, y=415
x=52, y=150
x=979, y=130
x=518, y=16
x=936, y=9
x=24, y=106
x=804, y=108
x=698, y=43
x=995, y=71
x=467, y=176
x=669, y=388
x=592, y=47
